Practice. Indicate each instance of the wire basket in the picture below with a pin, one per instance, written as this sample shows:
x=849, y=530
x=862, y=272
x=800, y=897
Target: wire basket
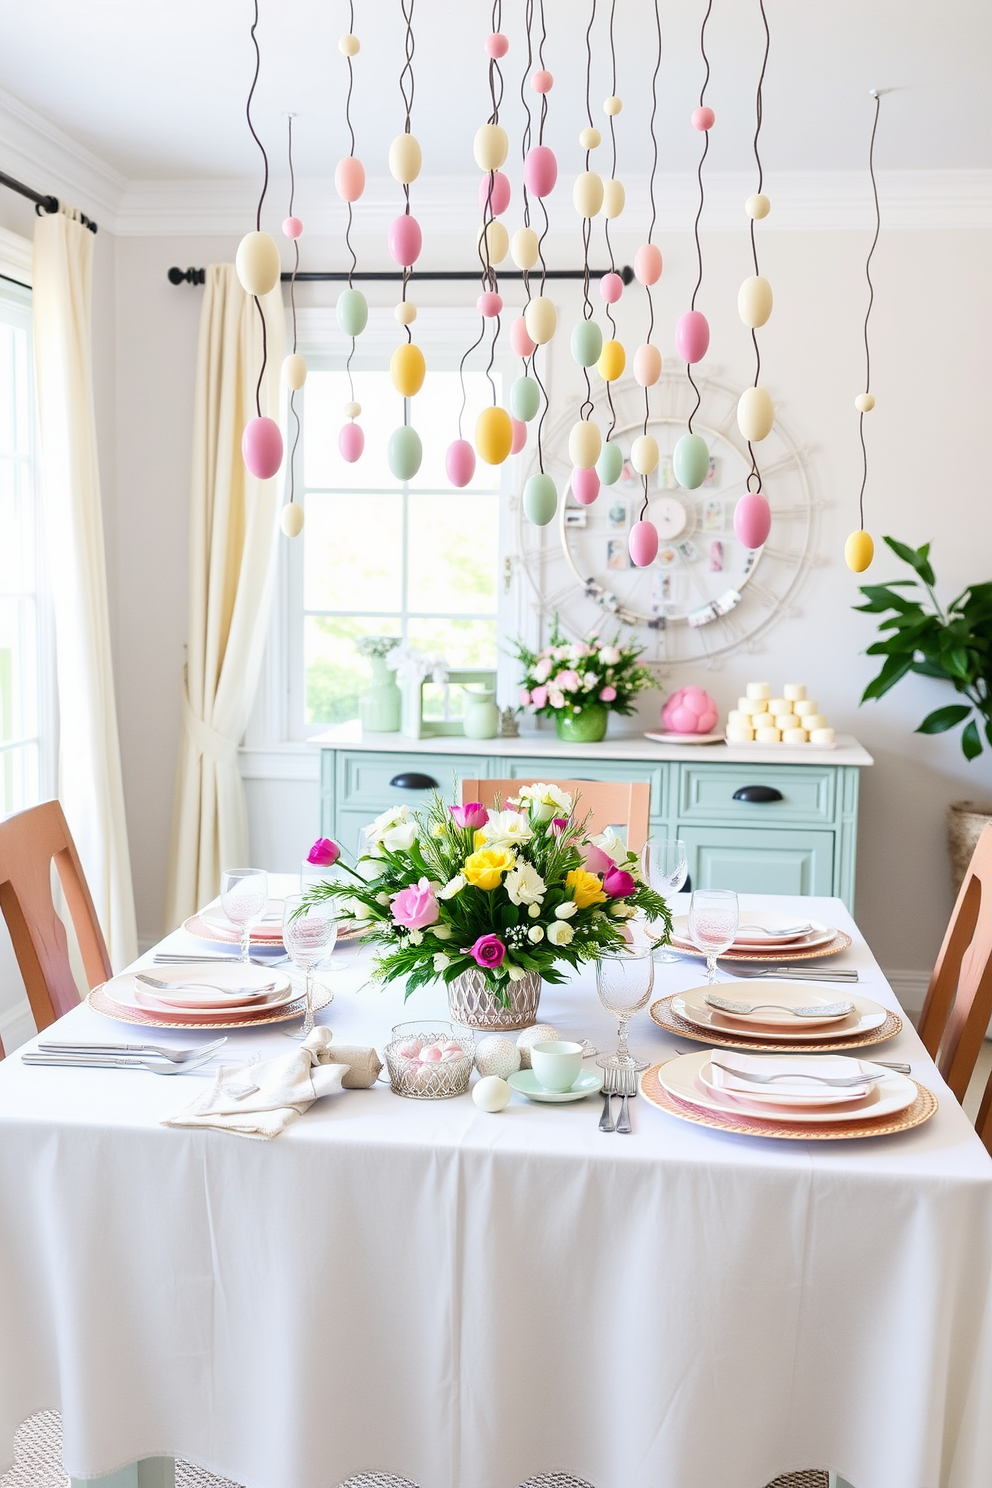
x=420, y=1073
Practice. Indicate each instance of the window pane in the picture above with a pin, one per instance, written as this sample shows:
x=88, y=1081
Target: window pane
x=19, y=787
x=335, y=673
x=452, y=546
x=18, y=670
x=462, y=643
x=353, y=554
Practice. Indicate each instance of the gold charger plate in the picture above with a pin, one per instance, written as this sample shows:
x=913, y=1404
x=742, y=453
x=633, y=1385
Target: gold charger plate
x=101, y=1003
x=770, y=954
x=665, y=1016
x=923, y=1107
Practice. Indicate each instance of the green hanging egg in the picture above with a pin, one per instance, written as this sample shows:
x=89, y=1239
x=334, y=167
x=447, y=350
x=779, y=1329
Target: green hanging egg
x=525, y=398
x=540, y=500
x=352, y=312
x=587, y=343
x=691, y=461
x=404, y=452
x=609, y=464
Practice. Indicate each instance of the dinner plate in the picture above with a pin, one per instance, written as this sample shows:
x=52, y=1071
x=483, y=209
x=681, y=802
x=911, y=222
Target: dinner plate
x=666, y=1017
x=716, y=1078
x=692, y=1006
x=797, y=950
x=682, y=1078
x=798, y=994
x=159, y=1018
x=526, y=1083
x=129, y=995
x=817, y=935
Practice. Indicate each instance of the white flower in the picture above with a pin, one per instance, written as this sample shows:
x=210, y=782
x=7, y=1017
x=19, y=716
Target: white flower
x=566, y=911
x=440, y=961
x=524, y=885
x=533, y=910
x=576, y=650
x=543, y=669
x=390, y=818
x=357, y=909
x=515, y=973
x=610, y=655
x=546, y=801
x=535, y=934
x=560, y=933
x=453, y=886
x=415, y=937
x=507, y=829
x=443, y=932
x=589, y=680
x=556, y=698
x=560, y=653
x=400, y=838
x=382, y=899
x=611, y=845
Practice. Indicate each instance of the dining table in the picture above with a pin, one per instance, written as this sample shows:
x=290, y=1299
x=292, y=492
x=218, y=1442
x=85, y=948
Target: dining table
x=459, y=1299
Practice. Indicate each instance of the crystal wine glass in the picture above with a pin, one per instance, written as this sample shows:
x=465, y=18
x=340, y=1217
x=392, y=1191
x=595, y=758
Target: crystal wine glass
x=713, y=920
x=665, y=866
x=309, y=931
x=244, y=896
x=624, y=982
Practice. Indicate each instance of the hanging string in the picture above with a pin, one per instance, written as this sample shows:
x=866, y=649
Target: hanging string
x=877, y=95
x=490, y=278
x=347, y=232
x=292, y=302
x=652, y=123
x=606, y=220
x=525, y=141
x=755, y=473
x=258, y=210
x=702, y=199
x=407, y=92
x=588, y=406
x=541, y=237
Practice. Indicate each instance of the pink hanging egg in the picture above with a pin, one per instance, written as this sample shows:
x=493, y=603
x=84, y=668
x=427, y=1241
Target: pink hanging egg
x=459, y=462
x=351, y=442
x=752, y=519
x=292, y=227
x=540, y=170
x=692, y=336
x=643, y=544
x=261, y=447
x=647, y=365
x=702, y=118
x=585, y=485
x=405, y=240
x=489, y=304
x=519, y=435
x=542, y=81
x=497, y=45
x=690, y=710
x=349, y=178
x=520, y=339
x=611, y=288
x=647, y=264
x=499, y=199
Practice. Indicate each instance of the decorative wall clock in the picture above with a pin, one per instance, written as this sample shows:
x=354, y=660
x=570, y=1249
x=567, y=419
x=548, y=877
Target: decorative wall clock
x=705, y=595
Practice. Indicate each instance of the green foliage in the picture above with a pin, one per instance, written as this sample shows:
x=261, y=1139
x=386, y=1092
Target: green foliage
x=597, y=665
x=954, y=645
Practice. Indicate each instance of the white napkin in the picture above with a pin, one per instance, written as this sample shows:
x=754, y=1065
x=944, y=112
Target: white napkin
x=830, y=1066
x=260, y=1100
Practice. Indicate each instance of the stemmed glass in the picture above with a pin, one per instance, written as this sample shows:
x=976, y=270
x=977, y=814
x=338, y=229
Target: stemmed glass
x=624, y=982
x=309, y=931
x=665, y=866
x=244, y=897
x=713, y=920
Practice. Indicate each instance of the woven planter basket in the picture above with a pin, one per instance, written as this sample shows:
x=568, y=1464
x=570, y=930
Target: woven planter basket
x=471, y=1003
x=965, y=821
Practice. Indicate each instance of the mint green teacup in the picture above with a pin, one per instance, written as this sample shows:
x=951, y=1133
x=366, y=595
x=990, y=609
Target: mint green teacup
x=556, y=1064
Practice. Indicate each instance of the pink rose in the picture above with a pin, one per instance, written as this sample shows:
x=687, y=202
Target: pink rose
x=543, y=669
x=596, y=860
x=539, y=697
x=607, y=694
x=488, y=951
x=324, y=853
x=415, y=906
x=618, y=883
x=558, y=825
x=524, y=697
x=568, y=681
x=472, y=815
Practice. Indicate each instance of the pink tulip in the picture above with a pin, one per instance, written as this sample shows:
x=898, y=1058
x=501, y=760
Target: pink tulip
x=324, y=853
x=488, y=951
x=471, y=816
x=415, y=906
x=558, y=825
x=618, y=883
x=607, y=694
x=596, y=861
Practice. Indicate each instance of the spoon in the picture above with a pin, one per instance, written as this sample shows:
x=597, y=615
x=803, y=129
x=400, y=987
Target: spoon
x=744, y=1009
x=242, y=992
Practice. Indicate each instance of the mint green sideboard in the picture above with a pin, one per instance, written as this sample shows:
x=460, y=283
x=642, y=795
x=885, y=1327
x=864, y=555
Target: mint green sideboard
x=805, y=842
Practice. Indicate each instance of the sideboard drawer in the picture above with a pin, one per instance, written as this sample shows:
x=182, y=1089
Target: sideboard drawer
x=758, y=861
x=583, y=769
x=363, y=778
x=706, y=793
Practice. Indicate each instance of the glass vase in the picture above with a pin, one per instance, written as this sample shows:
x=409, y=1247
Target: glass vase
x=471, y=1002
x=380, y=706
x=587, y=727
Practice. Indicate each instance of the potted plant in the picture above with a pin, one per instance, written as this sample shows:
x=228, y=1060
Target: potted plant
x=492, y=902
x=580, y=683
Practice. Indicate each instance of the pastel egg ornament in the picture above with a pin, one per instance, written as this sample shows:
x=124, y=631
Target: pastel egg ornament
x=612, y=360
x=757, y=206
x=493, y=435
x=540, y=170
x=609, y=466
x=859, y=550
x=459, y=462
x=611, y=287
x=590, y=138
x=587, y=343
x=491, y=1094
x=494, y=193
x=497, y=45
x=755, y=301
x=489, y=304
x=692, y=336
x=647, y=365
x=585, y=442
x=642, y=543
x=614, y=198
x=490, y=146
x=405, y=240
x=585, y=485
x=644, y=454
x=349, y=45
x=407, y=368
x=755, y=414
x=404, y=452
x=261, y=447
x=540, y=500
x=702, y=118
x=494, y=242
x=587, y=194
x=690, y=710
x=519, y=438
x=405, y=312
x=291, y=519
x=541, y=319
x=648, y=264
x=691, y=461
x=294, y=371
x=257, y=263
x=352, y=312
x=864, y=402
x=521, y=340
x=351, y=442
x=292, y=227
x=349, y=178
x=405, y=159
x=525, y=398
x=752, y=520
x=524, y=248
x=542, y=81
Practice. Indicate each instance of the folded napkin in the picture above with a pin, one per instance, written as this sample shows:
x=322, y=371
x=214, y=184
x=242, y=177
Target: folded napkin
x=830, y=1066
x=260, y=1100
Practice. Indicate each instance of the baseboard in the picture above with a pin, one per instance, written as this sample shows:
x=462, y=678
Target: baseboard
x=16, y=1026
x=911, y=988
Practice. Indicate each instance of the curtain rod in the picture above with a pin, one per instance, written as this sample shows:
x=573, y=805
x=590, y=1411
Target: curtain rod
x=324, y=276
x=41, y=203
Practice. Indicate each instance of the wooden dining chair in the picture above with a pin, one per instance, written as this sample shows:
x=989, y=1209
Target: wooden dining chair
x=608, y=803
x=29, y=843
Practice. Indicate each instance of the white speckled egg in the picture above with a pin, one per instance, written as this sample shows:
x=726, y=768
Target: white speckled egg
x=496, y=1055
x=491, y=1094
x=539, y=1033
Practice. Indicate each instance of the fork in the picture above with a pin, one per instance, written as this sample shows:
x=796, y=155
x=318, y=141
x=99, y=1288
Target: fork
x=840, y=1082
x=825, y=1009
x=177, y=1056
x=787, y=930
x=178, y=958
x=81, y=1061
x=148, y=981
x=799, y=971
x=629, y=1087
x=610, y=1088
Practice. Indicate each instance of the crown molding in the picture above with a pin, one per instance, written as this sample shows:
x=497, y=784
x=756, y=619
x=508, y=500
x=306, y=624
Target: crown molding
x=51, y=162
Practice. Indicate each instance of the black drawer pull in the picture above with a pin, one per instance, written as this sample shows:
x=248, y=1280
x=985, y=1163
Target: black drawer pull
x=413, y=780
x=758, y=795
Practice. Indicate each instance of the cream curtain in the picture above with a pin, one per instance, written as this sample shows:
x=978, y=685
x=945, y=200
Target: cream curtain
x=233, y=528
x=90, y=783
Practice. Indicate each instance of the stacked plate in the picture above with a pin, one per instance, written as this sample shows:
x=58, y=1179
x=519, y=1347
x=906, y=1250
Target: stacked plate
x=210, y=995
x=776, y=1015
x=212, y=925
x=768, y=934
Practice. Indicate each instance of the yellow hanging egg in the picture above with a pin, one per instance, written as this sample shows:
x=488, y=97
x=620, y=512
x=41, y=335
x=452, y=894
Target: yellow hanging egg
x=755, y=414
x=757, y=206
x=493, y=435
x=406, y=312
x=612, y=360
x=754, y=301
x=614, y=198
x=291, y=519
x=864, y=402
x=587, y=194
x=349, y=45
x=541, y=319
x=294, y=371
x=407, y=369
x=644, y=454
x=859, y=550
x=524, y=248
x=494, y=242
x=590, y=138
x=613, y=105
x=584, y=444
x=257, y=263
x=490, y=146
x=405, y=159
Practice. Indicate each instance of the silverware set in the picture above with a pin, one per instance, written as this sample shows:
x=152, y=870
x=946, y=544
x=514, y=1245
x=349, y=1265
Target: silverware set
x=800, y=971
x=744, y=1009
x=122, y=1056
x=621, y=1082
x=178, y=958
x=240, y=992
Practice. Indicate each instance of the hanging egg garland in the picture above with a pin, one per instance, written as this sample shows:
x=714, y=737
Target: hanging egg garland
x=859, y=550
x=752, y=520
x=405, y=241
x=540, y=500
x=352, y=312
x=755, y=414
x=494, y=435
x=525, y=398
x=587, y=343
x=541, y=320
x=261, y=447
x=459, y=463
x=294, y=368
x=585, y=443
x=585, y=484
x=257, y=263
x=647, y=365
x=692, y=336
x=404, y=452
x=609, y=466
x=521, y=340
x=291, y=519
x=642, y=544
x=352, y=308
x=524, y=248
x=294, y=371
x=612, y=361
x=494, y=193
x=691, y=461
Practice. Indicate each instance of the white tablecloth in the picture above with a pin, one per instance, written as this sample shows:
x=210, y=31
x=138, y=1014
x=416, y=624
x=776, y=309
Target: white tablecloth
x=468, y=1300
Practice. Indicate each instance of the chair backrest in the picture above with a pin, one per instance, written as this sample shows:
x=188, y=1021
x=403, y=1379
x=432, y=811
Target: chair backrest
x=608, y=803
x=29, y=842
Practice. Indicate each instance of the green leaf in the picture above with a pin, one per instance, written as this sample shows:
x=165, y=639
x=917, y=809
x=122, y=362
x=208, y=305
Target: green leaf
x=883, y=597
x=892, y=672
x=943, y=719
x=929, y=669
x=917, y=558
x=970, y=741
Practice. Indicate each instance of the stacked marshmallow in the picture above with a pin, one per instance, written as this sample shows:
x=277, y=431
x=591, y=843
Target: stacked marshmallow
x=792, y=718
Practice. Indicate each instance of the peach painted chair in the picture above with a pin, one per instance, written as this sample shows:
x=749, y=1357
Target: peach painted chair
x=609, y=803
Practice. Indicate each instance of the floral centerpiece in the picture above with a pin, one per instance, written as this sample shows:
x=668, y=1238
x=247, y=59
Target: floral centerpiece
x=492, y=902
x=579, y=683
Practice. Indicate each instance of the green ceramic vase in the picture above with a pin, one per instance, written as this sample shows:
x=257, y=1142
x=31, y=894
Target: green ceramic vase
x=587, y=727
x=379, y=706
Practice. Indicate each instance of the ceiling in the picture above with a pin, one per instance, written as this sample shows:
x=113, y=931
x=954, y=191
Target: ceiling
x=157, y=87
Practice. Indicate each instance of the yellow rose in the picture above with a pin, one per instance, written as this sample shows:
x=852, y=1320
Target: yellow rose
x=484, y=869
x=586, y=888
x=479, y=839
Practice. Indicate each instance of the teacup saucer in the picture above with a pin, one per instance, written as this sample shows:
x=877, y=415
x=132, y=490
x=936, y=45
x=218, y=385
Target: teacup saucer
x=525, y=1081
